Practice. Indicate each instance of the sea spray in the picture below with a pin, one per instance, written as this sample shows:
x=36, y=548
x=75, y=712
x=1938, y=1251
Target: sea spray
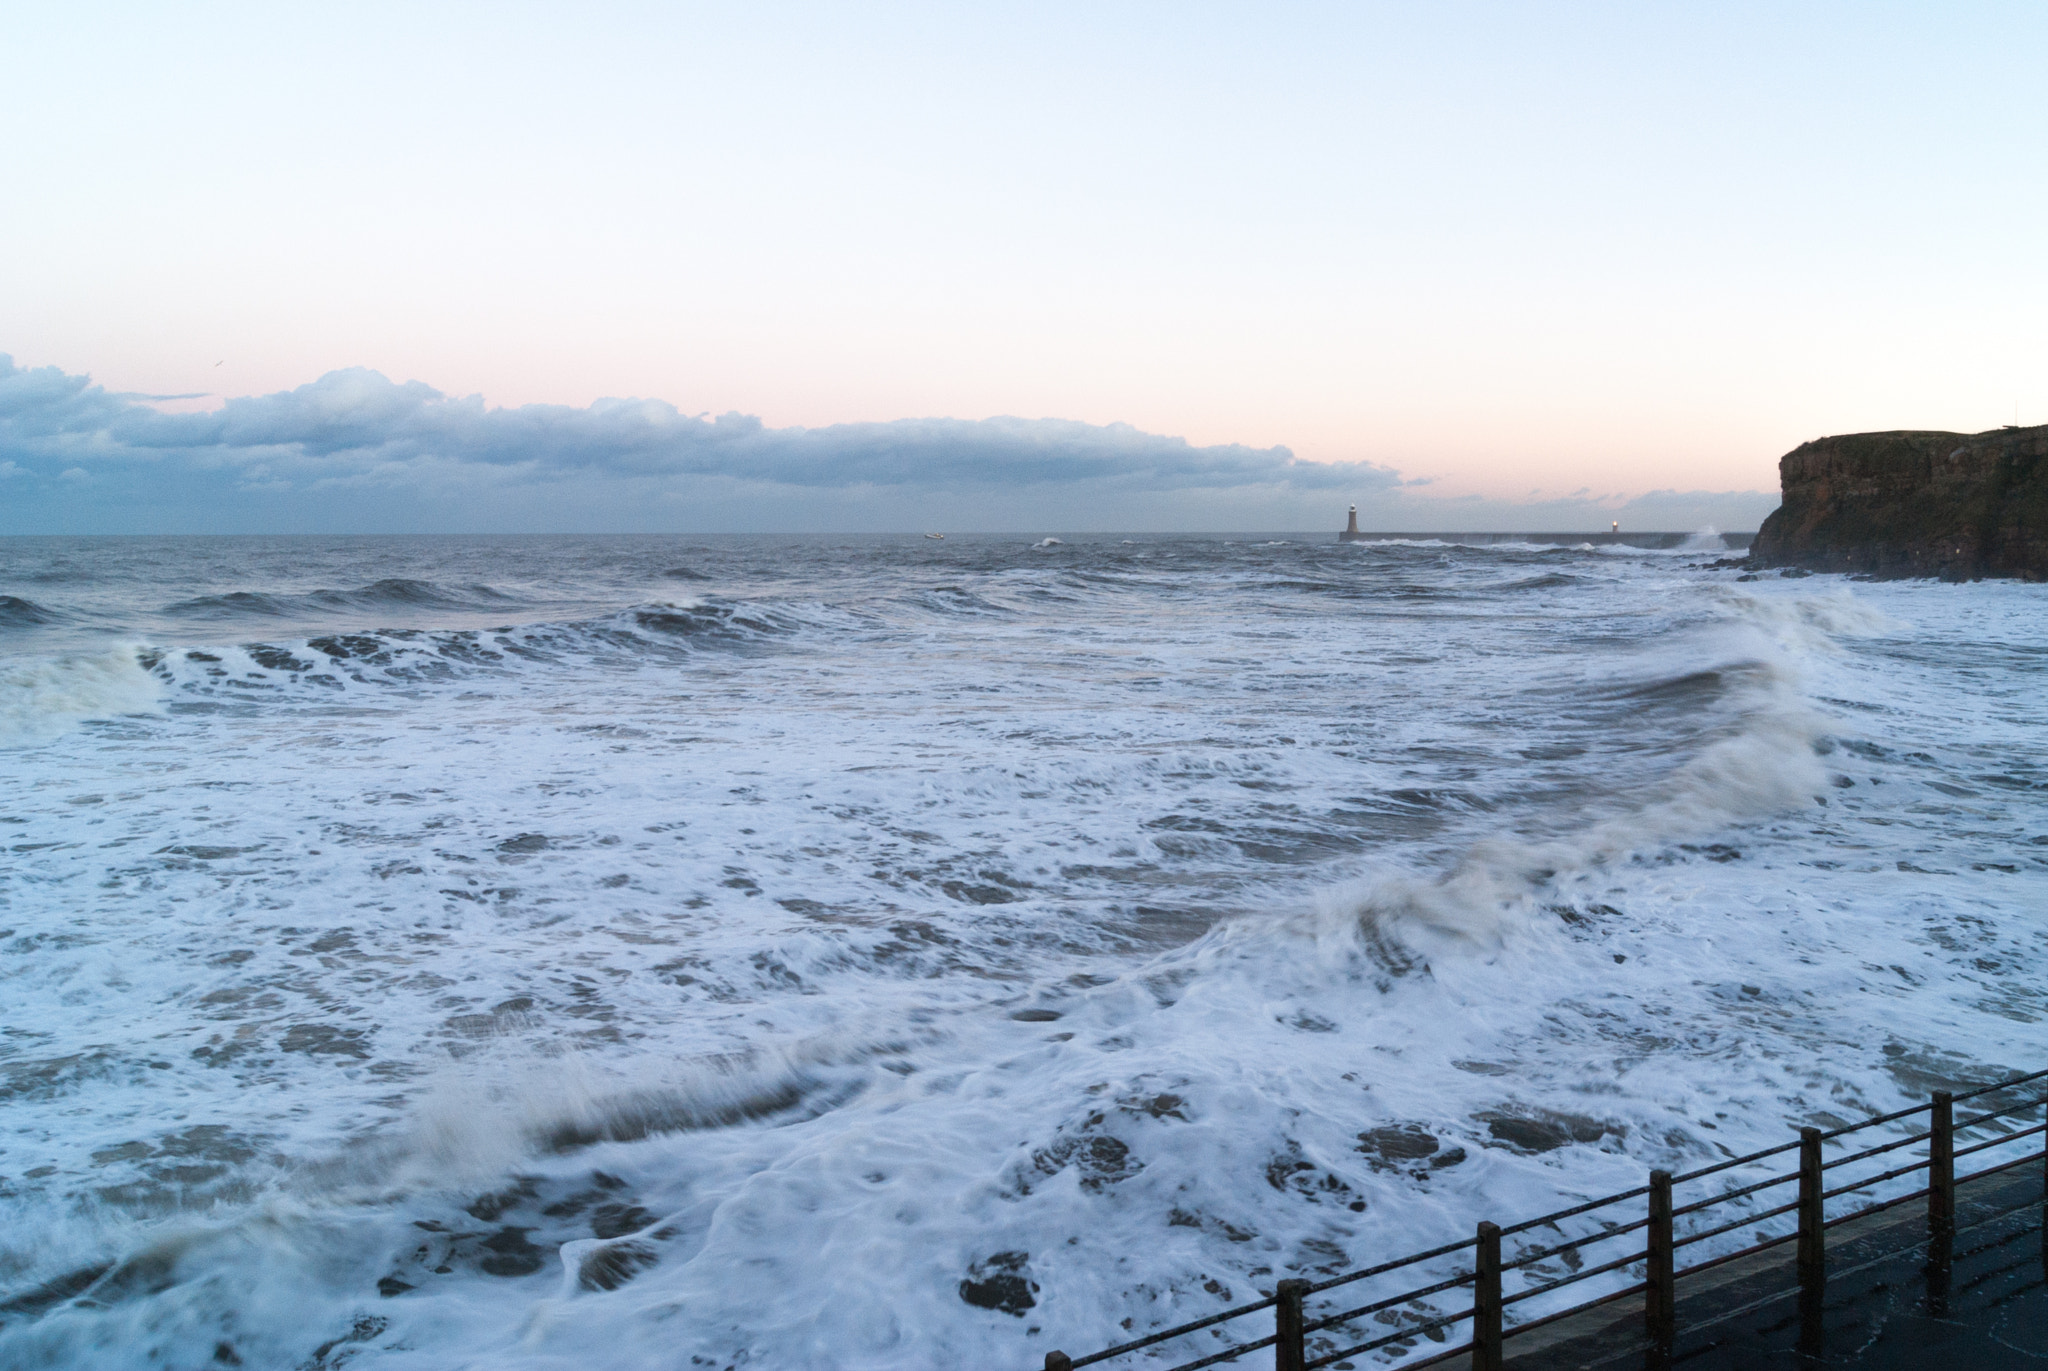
x=43, y=699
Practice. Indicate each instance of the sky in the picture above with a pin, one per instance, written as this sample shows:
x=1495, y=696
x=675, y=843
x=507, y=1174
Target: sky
x=886, y=266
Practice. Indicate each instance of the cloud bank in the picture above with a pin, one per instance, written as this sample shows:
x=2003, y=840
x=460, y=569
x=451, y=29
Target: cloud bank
x=357, y=452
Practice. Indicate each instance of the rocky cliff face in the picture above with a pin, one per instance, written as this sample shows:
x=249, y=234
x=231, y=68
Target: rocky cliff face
x=1953, y=505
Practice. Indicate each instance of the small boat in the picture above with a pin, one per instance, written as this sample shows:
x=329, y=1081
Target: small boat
x=940, y=536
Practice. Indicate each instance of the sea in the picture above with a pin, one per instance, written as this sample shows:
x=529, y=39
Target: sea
x=902, y=952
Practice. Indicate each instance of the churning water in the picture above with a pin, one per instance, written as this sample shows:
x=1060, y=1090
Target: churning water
x=893, y=953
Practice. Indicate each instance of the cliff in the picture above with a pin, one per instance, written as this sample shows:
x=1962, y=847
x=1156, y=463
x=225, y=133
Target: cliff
x=1953, y=505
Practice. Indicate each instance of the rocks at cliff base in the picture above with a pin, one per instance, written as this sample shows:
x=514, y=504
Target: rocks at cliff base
x=1949, y=505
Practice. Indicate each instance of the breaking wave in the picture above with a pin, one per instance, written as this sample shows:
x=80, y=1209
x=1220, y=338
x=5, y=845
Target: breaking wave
x=1496, y=886
x=1760, y=758
x=40, y=700
x=330, y=662
x=16, y=612
x=393, y=593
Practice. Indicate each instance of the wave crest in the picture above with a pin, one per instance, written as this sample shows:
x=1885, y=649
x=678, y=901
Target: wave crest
x=1762, y=762
x=40, y=700
x=16, y=612
x=390, y=593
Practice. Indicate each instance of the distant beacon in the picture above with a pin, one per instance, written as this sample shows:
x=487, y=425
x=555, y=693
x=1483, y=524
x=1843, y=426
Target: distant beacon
x=1351, y=533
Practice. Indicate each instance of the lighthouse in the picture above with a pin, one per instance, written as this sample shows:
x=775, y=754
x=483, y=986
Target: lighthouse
x=1351, y=533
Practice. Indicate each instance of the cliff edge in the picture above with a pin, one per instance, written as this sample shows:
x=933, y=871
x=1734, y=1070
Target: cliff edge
x=1954, y=505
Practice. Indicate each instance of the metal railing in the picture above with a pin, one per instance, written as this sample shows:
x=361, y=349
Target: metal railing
x=1653, y=1260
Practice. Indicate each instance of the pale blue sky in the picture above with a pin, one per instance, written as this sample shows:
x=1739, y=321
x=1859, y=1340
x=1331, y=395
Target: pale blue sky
x=1517, y=252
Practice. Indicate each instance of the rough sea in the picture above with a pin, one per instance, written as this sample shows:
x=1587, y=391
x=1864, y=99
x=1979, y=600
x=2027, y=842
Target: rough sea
x=898, y=952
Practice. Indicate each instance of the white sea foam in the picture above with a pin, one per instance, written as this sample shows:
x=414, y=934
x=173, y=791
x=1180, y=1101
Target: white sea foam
x=43, y=698
x=740, y=978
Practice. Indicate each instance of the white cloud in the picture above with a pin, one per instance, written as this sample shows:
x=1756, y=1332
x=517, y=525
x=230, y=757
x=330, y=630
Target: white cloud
x=357, y=426
x=355, y=451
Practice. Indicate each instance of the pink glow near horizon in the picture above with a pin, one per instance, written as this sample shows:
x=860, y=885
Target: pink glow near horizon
x=1509, y=251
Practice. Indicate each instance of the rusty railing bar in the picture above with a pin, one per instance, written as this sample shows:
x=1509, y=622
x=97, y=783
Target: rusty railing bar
x=1385, y=1267
x=1588, y=1207
x=1412, y=1330
x=1685, y=1176
x=2002, y=1166
x=1607, y=1298
x=2000, y=1085
x=1162, y=1336
x=1525, y=1258
x=1710, y=1263
x=1745, y=1221
x=1810, y=1204
x=1878, y=1208
x=1573, y=1279
x=2001, y=1113
x=1870, y=1152
x=1711, y=1201
x=2002, y=1140
x=1332, y=1320
x=1879, y=1179
x=1227, y=1354
x=1832, y=1133
x=1435, y=1358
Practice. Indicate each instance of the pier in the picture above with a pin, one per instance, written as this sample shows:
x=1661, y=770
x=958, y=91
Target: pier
x=1612, y=537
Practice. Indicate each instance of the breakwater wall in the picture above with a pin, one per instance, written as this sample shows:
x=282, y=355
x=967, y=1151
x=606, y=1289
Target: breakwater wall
x=1706, y=542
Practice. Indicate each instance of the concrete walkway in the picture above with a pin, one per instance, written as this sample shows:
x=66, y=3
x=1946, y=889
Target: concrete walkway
x=1886, y=1308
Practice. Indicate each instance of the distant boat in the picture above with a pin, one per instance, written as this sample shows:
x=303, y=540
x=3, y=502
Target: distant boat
x=940, y=536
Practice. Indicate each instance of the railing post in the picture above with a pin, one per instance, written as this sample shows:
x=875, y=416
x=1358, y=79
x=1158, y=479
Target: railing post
x=1660, y=1297
x=1486, y=1329
x=1058, y=1361
x=1812, y=1240
x=1289, y=1348
x=1941, y=1165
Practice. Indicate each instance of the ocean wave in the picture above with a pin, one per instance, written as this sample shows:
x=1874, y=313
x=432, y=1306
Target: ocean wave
x=16, y=612
x=1687, y=689
x=326, y=663
x=391, y=593
x=952, y=600
x=41, y=700
x=1498, y=885
x=1555, y=580
x=710, y=620
x=1364, y=590
x=556, y=972
x=1758, y=754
